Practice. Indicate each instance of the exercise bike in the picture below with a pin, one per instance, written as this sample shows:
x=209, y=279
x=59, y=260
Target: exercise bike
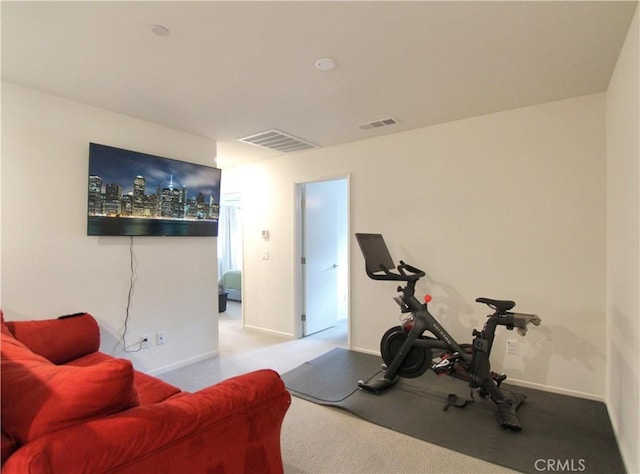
x=421, y=343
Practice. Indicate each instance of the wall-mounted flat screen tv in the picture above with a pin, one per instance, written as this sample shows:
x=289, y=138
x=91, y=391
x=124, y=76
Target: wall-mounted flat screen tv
x=132, y=193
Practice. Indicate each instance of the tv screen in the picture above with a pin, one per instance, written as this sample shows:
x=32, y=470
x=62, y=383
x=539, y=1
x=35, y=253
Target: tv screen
x=132, y=193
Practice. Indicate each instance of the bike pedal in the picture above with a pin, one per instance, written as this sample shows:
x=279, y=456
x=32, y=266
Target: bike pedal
x=498, y=380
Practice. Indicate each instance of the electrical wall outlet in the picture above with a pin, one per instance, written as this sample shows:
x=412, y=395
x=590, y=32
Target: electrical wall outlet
x=160, y=338
x=512, y=347
x=145, y=342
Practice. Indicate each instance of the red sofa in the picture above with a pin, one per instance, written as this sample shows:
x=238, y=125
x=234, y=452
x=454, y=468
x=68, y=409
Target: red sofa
x=68, y=408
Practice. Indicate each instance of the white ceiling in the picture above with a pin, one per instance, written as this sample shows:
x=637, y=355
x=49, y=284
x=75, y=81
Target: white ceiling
x=235, y=68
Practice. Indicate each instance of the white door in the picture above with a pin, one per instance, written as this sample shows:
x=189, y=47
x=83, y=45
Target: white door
x=323, y=231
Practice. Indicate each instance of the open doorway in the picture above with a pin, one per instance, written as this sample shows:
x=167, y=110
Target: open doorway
x=230, y=254
x=322, y=246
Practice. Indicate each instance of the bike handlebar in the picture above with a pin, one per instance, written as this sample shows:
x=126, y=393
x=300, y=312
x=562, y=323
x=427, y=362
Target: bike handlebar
x=401, y=275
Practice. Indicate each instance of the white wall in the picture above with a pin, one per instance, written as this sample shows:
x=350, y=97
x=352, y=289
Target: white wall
x=623, y=248
x=508, y=205
x=51, y=267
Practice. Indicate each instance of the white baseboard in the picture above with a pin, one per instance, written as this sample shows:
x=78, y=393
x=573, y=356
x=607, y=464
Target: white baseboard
x=367, y=351
x=558, y=390
x=283, y=335
x=184, y=363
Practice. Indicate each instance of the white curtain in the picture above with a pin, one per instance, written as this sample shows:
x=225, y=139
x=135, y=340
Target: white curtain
x=229, y=239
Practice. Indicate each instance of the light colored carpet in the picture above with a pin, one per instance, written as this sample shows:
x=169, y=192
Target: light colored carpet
x=315, y=438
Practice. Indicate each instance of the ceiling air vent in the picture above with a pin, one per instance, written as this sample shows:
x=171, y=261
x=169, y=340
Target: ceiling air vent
x=277, y=140
x=378, y=123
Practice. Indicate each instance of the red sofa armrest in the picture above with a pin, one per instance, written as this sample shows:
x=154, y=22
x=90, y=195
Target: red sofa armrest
x=233, y=426
x=59, y=340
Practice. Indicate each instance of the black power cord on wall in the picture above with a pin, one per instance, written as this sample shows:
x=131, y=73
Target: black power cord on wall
x=138, y=345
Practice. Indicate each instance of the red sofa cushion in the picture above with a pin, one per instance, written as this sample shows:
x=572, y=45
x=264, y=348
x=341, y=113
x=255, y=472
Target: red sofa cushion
x=38, y=397
x=59, y=340
x=150, y=389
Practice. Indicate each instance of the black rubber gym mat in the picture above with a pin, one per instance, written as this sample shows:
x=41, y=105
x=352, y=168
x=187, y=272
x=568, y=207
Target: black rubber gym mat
x=560, y=433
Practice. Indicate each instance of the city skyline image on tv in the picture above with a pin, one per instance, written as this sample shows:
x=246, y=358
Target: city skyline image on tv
x=134, y=193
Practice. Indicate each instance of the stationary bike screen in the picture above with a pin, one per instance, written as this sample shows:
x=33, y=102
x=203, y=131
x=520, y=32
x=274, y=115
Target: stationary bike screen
x=376, y=253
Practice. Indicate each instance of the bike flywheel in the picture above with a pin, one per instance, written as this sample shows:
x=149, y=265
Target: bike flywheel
x=417, y=361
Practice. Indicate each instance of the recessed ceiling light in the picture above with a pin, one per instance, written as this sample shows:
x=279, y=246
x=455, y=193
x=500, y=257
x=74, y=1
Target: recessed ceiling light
x=159, y=30
x=326, y=64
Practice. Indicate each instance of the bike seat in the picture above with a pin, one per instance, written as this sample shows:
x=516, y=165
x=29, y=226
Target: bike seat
x=499, y=305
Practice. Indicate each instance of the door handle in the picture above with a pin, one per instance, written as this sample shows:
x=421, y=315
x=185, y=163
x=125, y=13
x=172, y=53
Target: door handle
x=335, y=265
